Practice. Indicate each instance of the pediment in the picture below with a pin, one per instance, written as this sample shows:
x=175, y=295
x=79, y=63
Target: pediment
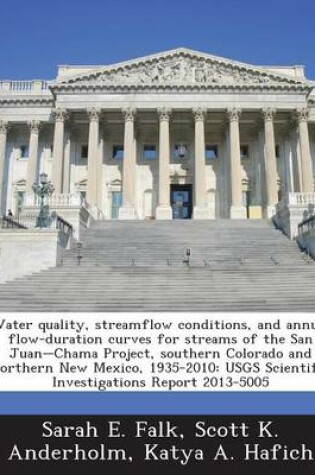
x=178, y=71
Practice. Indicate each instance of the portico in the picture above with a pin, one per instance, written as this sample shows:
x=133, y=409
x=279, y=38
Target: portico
x=123, y=137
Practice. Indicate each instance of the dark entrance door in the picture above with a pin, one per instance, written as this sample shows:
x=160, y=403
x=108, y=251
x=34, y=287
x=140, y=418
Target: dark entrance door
x=181, y=201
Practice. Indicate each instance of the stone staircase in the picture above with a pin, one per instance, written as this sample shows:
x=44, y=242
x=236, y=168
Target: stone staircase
x=140, y=265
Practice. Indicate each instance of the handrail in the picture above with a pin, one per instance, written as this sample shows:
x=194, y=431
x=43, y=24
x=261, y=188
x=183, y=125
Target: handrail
x=306, y=225
x=30, y=221
x=63, y=225
x=8, y=222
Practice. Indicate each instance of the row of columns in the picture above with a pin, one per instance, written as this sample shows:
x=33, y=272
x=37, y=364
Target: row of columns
x=164, y=211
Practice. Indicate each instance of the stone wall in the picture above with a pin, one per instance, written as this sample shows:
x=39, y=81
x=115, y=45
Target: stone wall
x=26, y=251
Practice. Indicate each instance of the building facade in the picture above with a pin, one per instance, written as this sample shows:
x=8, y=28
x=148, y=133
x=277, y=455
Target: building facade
x=175, y=135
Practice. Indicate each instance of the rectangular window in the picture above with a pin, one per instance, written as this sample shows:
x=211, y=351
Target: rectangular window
x=244, y=149
x=211, y=152
x=118, y=152
x=149, y=152
x=84, y=151
x=24, y=151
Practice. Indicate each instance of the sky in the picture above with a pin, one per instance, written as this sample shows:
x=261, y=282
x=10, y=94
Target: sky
x=36, y=35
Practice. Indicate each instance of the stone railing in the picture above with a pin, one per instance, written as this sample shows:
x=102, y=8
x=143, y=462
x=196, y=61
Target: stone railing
x=35, y=87
x=292, y=210
x=303, y=199
x=57, y=200
x=71, y=207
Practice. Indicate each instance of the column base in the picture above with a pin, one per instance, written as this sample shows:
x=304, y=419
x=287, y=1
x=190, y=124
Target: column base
x=238, y=212
x=164, y=212
x=127, y=212
x=270, y=211
x=202, y=212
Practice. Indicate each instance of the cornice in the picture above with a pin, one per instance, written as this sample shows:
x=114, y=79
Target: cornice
x=229, y=89
x=16, y=101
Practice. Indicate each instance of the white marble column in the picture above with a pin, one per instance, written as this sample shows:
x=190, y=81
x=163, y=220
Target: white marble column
x=306, y=160
x=58, y=150
x=270, y=162
x=3, y=145
x=127, y=210
x=257, y=195
x=164, y=210
x=99, y=167
x=66, y=163
x=295, y=155
x=201, y=210
x=237, y=210
x=32, y=166
x=289, y=151
x=92, y=181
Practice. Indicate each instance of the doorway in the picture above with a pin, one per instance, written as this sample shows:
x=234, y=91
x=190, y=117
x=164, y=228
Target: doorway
x=116, y=203
x=181, y=201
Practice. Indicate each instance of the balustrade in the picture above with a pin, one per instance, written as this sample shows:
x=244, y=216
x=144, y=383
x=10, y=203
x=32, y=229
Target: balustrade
x=25, y=87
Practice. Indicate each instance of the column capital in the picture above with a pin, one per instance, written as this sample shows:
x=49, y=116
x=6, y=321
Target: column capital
x=129, y=114
x=4, y=127
x=233, y=114
x=94, y=114
x=268, y=113
x=199, y=114
x=164, y=113
x=35, y=126
x=301, y=114
x=60, y=115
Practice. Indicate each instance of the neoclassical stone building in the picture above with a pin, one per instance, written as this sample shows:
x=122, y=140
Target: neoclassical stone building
x=180, y=134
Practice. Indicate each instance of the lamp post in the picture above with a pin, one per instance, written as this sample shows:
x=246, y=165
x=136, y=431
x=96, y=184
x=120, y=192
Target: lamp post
x=42, y=189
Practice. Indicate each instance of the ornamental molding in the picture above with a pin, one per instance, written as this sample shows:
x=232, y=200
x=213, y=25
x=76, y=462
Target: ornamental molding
x=16, y=101
x=268, y=113
x=199, y=114
x=94, y=114
x=60, y=115
x=233, y=114
x=302, y=114
x=180, y=70
x=35, y=126
x=4, y=127
x=164, y=113
x=129, y=113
